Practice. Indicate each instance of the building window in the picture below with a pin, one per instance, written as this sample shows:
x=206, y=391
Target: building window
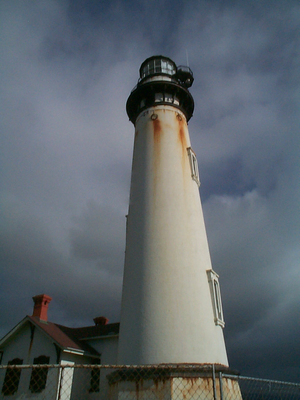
x=38, y=377
x=95, y=378
x=215, y=292
x=194, y=165
x=12, y=377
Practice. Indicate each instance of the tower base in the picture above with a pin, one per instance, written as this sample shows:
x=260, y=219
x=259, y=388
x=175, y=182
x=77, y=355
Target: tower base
x=174, y=382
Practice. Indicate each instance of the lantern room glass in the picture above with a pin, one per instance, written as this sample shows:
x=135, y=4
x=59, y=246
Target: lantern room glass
x=157, y=66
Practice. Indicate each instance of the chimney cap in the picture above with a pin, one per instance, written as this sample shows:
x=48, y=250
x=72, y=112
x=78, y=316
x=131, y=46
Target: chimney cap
x=41, y=303
x=100, y=321
x=41, y=297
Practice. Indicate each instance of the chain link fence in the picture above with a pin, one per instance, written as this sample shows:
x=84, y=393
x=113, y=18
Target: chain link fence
x=178, y=382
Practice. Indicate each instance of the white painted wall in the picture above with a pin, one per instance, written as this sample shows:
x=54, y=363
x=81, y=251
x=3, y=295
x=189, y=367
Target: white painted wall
x=75, y=382
x=167, y=314
x=108, y=348
x=20, y=346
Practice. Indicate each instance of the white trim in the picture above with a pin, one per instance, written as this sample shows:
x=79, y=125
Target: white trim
x=73, y=351
x=194, y=165
x=100, y=337
x=213, y=279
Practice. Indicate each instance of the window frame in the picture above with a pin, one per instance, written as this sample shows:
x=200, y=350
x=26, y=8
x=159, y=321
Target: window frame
x=38, y=378
x=215, y=291
x=95, y=377
x=12, y=377
x=194, y=165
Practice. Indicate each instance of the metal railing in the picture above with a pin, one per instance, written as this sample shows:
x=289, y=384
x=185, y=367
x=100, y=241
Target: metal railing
x=123, y=382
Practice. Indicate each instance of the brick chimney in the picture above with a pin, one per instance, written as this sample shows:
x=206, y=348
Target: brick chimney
x=100, y=321
x=40, y=308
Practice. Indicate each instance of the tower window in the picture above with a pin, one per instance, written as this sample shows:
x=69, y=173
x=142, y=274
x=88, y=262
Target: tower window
x=194, y=165
x=215, y=292
x=12, y=377
x=169, y=98
x=159, y=97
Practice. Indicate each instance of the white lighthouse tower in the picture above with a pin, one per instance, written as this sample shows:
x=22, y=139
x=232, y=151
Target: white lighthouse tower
x=171, y=331
x=171, y=304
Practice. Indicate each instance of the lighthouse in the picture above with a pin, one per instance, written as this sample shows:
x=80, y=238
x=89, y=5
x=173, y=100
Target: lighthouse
x=171, y=309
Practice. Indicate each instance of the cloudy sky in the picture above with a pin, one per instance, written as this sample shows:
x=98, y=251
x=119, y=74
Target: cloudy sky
x=67, y=68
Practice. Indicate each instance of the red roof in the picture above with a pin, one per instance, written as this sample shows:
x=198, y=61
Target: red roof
x=73, y=338
x=69, y=338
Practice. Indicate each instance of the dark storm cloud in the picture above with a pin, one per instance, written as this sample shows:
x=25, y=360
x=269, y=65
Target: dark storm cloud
x=60, y=114
x=66, y=143
x=245, y=133
x=97, y=225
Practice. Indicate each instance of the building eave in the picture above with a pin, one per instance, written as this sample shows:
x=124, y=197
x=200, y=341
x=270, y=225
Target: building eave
x=13, y=331
x=40, y=326
x=100, y=337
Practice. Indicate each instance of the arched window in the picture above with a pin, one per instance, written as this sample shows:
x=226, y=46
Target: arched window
x=38, y=377
x=12, y=377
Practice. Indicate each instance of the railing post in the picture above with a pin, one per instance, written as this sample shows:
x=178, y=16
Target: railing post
x=214, y=381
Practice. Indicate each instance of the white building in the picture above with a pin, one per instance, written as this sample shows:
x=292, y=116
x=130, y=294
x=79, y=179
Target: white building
x=35, y=340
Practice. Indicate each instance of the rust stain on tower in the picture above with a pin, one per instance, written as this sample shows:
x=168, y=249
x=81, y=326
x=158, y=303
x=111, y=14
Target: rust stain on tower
x=156, y=131
x=182, y=138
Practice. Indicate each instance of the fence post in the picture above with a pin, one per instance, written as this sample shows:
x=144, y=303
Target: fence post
x=59, y=382
x=221, y=385
x=214, y=381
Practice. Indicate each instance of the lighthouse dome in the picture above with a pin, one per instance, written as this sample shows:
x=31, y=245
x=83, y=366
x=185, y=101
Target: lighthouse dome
x=157, y=65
